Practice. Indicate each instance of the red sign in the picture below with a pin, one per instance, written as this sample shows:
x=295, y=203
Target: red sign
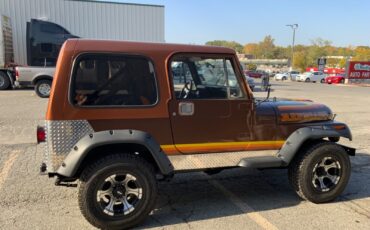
x=359, y=70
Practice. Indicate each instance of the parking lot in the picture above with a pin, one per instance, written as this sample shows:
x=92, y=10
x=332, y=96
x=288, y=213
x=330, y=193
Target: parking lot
x=232, y=199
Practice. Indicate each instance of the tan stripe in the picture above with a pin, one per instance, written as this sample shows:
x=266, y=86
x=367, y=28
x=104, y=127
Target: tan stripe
x=248, y=210
x=222, y=146
x=7, y=167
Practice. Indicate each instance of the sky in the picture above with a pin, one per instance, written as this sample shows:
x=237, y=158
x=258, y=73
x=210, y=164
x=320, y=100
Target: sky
x=343, y=22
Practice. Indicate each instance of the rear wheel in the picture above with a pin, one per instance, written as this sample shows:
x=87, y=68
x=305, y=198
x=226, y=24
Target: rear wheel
x=4, y=81
x=42, y=88
x=342, y=81
x=307, y=80
x=321, y=172
x=322, y=81
x=117, y=192
x=283, y=79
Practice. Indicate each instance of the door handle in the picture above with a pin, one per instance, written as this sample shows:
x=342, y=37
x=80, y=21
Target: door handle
x=186, y=108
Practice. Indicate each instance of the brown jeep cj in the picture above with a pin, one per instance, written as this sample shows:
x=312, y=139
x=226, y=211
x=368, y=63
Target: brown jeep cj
x=123, y=115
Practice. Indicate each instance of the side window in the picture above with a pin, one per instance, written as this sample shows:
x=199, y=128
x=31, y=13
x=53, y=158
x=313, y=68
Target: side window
x=112, y=80
x=51, y=28
x=204, y=78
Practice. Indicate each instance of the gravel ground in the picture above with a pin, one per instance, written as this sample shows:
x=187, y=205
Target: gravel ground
x=238, y=198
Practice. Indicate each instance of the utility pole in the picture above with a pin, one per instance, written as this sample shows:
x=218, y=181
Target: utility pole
x=294, y=27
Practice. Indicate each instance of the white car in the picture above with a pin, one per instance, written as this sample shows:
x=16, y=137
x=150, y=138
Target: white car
x=315, y=76
x=285, y=76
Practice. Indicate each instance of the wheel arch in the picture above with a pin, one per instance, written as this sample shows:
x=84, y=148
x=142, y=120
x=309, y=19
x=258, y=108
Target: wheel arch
x=305, y=136
x=91, y=147
x=41, y=77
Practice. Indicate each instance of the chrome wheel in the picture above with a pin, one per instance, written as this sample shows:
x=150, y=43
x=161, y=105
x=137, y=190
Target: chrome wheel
x=326, y=174
x=44, y=89
x=119, y=194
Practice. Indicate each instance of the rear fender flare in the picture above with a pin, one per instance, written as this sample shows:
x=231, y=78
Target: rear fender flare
x=75, y=157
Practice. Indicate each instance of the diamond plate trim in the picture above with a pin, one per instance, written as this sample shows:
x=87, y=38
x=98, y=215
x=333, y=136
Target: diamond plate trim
x=61, y=137
x=215, y=160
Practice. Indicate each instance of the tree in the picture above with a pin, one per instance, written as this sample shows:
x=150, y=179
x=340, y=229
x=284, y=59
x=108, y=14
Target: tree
x=252, y=49
x=301, y=60
x=267, y=47
x=362, y=53
x=252, y=67
x=230, y=44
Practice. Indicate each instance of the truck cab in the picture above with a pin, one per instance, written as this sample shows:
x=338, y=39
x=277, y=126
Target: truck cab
x=44, y=40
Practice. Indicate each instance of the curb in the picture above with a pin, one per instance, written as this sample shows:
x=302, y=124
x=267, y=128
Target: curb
x=353, y=85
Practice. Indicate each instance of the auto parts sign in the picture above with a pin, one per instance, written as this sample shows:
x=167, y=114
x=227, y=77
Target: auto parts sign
x=359, y=70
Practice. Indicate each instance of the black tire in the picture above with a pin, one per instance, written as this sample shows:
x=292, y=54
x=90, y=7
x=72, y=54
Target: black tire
x=307, y=80
x=301, y=172
x=40, y=90
x=283, y=78
x=95, y=176
x=342, y=81
x=322, y=81
x=4, y=81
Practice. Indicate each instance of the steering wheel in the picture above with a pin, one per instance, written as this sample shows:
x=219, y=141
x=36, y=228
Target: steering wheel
x=186, y=90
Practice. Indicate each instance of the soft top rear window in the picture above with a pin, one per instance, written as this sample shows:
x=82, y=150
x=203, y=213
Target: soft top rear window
x=113, y=80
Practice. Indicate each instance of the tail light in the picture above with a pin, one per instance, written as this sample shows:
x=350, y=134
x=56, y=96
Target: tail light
x=41, y=134
x=16, y=74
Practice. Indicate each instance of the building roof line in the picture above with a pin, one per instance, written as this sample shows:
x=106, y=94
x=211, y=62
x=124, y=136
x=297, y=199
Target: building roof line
x=120, y=3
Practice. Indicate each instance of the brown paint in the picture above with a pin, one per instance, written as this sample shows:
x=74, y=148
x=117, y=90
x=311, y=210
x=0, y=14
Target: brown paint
x=214, y=121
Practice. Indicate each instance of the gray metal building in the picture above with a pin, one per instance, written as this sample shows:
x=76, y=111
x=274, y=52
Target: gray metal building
x=87, y=19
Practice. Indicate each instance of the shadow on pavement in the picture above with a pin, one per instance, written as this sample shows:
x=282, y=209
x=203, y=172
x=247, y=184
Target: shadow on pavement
x=191, y=197
x=358, y=185
x=24, y=89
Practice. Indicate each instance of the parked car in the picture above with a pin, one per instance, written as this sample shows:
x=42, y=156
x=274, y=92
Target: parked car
x=250, y=82
x=38, y=77
x=287, y=75
x=339, y=78
x=316, y=76
x=254, y=74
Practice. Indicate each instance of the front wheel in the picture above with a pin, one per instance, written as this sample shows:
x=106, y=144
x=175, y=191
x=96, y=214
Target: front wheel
x=283, y=79
x=42, y=88
x=322, y=81
x=117, y=192
x=321, y=172
x=307, y=80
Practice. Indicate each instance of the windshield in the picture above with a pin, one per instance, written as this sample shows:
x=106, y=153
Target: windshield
x=307, y=73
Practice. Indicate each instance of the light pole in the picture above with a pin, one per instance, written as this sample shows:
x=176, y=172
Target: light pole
x=294, y=27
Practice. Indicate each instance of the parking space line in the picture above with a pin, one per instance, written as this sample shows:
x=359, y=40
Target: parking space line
x=7, y=166
x=248, y=210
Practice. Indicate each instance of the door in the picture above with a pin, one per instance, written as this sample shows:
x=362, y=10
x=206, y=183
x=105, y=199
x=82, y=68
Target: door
x=210, y=110
x=316, y=76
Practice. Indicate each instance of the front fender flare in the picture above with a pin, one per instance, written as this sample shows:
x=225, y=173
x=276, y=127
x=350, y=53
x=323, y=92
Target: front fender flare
x=75, y=157
x=300, y=136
